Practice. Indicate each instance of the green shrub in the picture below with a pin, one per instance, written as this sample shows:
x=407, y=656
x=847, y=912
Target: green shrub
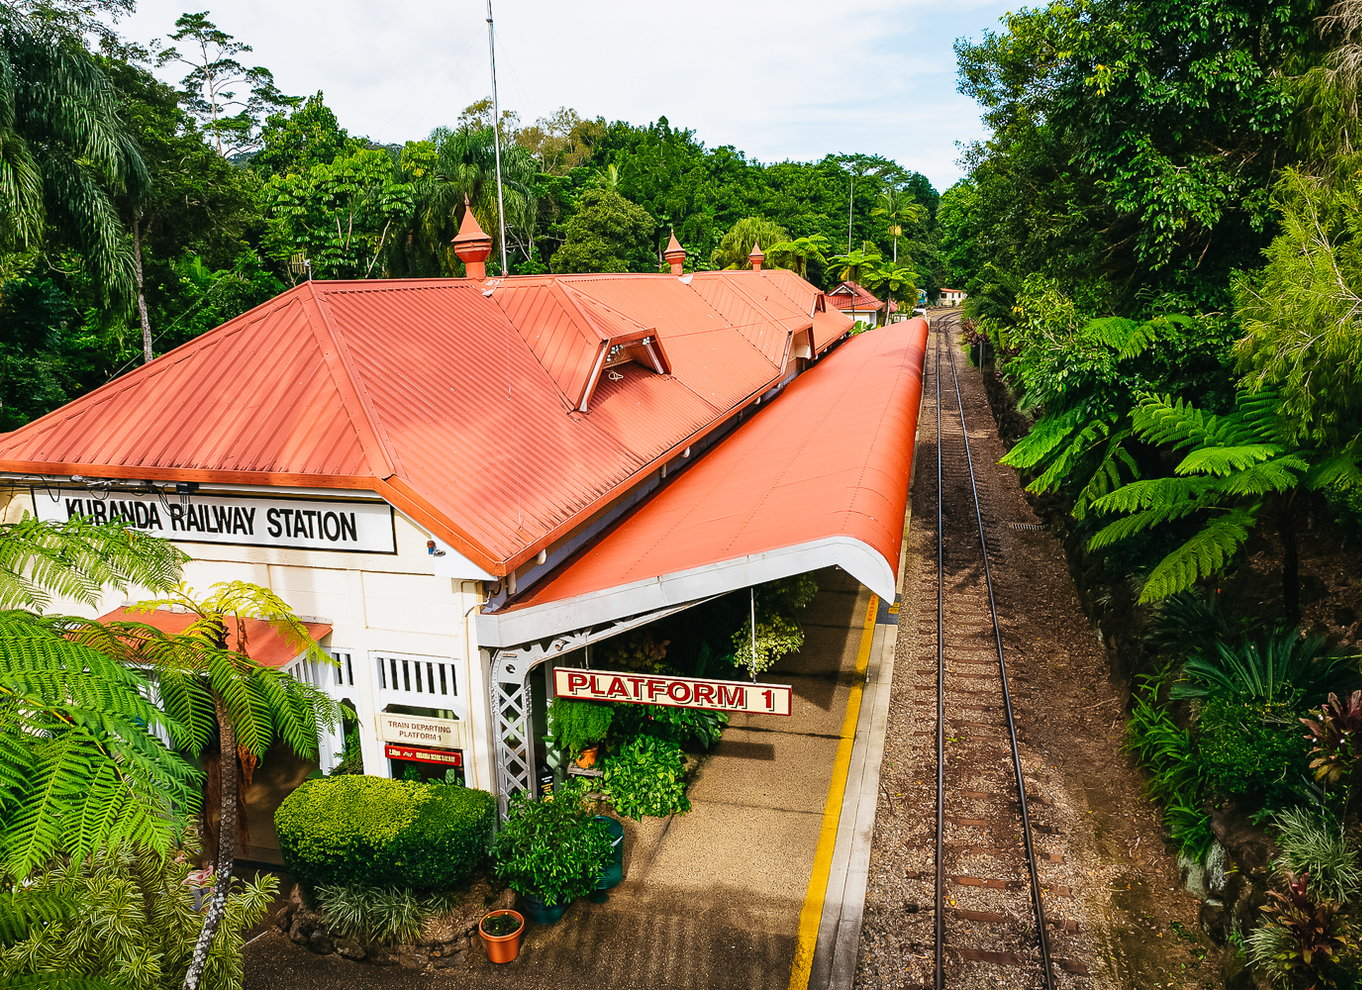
x=1281, y=667
x=356, y=831
x=1314, y=844
x=1250, y=748
x=575, y=725
x=646, y=776
x=550, y=849
x=379, y=914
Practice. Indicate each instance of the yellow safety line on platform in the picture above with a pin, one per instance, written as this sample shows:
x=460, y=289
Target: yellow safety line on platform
x=812, y=912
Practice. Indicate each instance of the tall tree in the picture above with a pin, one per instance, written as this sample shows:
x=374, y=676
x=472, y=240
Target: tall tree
x=229, y=98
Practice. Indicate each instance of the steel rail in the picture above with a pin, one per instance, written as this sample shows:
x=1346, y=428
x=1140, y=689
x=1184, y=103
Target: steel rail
x=1043, y=934
x=940, y=940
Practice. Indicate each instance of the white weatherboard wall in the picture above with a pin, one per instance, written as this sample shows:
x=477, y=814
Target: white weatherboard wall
x=409, y=606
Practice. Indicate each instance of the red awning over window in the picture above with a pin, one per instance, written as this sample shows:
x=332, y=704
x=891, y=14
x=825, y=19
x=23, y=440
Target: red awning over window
x=264, y=644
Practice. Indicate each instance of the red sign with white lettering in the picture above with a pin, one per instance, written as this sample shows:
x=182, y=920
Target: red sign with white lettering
x=448, y=757
x=678, y=692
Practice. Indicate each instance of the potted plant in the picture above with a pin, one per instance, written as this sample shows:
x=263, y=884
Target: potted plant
x=578, y=727
x=501, y=931
x=550, y=853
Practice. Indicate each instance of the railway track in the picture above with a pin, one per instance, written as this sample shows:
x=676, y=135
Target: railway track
x=992, y=919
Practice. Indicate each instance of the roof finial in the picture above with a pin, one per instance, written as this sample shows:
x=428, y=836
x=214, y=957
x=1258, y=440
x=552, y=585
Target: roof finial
x=472, y=245
x=756, y=256
x=675, y=255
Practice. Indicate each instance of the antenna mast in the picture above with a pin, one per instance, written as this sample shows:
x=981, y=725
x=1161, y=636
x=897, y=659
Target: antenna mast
x=496, y=138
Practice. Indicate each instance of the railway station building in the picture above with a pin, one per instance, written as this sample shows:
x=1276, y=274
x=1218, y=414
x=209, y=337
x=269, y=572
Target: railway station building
x=462, y=483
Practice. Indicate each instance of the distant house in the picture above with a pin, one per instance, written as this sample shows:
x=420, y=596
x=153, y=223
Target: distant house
x=854, y=301
x=952, y=297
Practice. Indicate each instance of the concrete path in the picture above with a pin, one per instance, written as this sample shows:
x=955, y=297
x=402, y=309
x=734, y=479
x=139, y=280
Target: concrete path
x=760, y=886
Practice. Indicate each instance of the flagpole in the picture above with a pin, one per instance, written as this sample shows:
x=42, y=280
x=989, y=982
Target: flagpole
x=496, y=138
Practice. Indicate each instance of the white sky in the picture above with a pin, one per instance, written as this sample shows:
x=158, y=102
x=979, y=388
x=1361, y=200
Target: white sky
x=777, y=79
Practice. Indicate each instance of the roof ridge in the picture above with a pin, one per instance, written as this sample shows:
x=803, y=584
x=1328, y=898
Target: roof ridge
x=371, y=437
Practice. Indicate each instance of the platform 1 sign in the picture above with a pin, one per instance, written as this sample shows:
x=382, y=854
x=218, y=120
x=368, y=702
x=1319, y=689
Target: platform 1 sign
x=418, y=754
x=678, y=692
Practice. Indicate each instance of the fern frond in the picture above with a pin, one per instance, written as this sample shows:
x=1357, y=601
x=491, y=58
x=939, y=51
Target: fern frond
x=1226, y=460
x=1137, y=522
x=1279, y=475
x=1170, y=494
x=1343, y=469
x=1206, y=553
x=1124, y=336
x=1179, y=424
x=1069, y=455
x=1114, y=470
x=1046, y=436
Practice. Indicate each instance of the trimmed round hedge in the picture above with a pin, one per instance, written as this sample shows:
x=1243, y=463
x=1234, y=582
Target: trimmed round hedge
x=373, y=832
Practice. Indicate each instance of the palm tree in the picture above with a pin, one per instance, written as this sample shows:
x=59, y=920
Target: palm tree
x=899, y=210
x=850, y=267
x=801, y=250
x=209, y=684
x=451, y=166
x=64, y=152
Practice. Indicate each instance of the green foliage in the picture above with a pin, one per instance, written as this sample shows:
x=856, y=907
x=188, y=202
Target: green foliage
x=1314, y=844
x=379, y=914
x=1250, y=747
x=1283, y=667
x=1235, y=463
x=66, y=151
x=607, y=233
x=1302, y=328
x=359, y=832
x=575, y=725
x=646, y=776
x=131, y=923
x=77, y=558
x=683, y=726
x=777, y=630
x=550, y=849
x=638, y=651
x=500, y=924
x=1175, y=777
x=339, y=215
x=80, y=770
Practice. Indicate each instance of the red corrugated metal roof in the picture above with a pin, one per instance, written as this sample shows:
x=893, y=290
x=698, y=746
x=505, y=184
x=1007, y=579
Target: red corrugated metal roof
x=453, y=399
x=850, y=295
x=828, y=461
x=264, y=643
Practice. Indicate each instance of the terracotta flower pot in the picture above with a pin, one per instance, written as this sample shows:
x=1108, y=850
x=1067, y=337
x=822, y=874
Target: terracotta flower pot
x=587, y=757
x=502, y=948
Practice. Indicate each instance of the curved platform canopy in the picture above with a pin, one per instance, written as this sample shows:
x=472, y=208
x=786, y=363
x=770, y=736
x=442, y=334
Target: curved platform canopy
x=818, y=478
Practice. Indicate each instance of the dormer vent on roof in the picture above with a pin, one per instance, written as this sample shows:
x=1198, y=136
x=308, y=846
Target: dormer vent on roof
x=472, y=245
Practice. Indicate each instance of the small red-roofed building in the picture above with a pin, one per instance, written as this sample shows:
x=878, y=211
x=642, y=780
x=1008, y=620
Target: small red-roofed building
x=854, y=300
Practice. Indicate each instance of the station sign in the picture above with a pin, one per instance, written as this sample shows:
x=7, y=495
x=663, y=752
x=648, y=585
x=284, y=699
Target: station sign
x=445, y=757
x=417, y=730
x=301, y=524
x=678, y=692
